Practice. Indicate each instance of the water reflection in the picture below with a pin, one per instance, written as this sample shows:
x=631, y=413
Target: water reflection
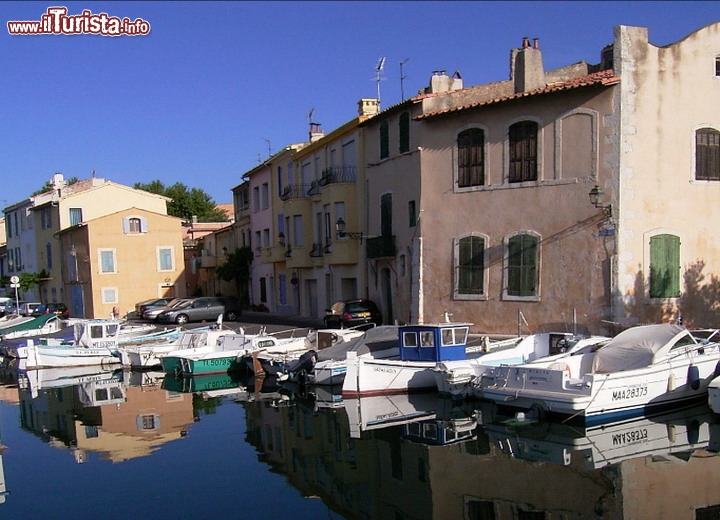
x=390, y=457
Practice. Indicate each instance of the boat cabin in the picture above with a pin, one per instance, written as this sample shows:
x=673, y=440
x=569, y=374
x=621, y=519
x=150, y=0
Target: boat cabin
x=433, y=342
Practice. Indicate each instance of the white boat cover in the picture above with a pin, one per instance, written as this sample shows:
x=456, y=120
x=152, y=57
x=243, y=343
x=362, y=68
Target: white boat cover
x=634, y=348
x=377, y=338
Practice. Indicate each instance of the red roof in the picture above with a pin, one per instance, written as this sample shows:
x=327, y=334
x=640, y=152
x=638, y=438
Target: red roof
x=602, y=78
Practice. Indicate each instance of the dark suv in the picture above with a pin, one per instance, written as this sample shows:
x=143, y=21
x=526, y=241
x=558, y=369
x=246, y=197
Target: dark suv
x=351, y=313
x=206, y=308
x=60, y=309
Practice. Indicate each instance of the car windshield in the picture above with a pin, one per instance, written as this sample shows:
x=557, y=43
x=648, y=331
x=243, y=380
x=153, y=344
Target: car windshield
x=357, y=307
x=183, y=304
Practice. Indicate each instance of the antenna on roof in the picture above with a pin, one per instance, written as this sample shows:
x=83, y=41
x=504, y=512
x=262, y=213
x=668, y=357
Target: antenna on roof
x=310, y=115
x=268, y=145
x=402, y=91
x=378, y=76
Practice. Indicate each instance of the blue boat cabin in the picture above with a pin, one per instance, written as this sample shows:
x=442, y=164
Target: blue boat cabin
x=441, y=342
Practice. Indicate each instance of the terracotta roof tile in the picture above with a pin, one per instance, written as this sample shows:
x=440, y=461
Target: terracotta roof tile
x=602, y=78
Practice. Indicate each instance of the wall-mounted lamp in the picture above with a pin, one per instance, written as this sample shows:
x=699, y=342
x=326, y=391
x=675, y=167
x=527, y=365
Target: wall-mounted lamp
x=225, y=252
x=595, y=195
x=281, y=238
x=342, y=233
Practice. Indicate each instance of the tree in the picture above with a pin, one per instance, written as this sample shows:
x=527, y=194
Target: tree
x=186, y=203
x=237, y=268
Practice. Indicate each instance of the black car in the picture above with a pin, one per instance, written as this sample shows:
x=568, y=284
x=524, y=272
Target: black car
x=52, y=308
x=351, y=313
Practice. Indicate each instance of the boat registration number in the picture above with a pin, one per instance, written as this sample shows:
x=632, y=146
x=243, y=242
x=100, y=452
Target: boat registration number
x=630, y=437
x=631, y=392
x=105, y=344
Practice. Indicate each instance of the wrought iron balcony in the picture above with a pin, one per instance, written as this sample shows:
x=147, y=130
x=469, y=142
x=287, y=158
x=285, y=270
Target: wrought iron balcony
x=336, y=174
x=380, y=247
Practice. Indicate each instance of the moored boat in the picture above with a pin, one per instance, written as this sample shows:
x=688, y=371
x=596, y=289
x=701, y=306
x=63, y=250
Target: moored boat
x=95, y=342
x=420, y=348
x=642, y=370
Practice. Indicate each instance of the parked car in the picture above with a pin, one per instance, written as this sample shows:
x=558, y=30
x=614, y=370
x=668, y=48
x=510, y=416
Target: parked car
x=4, y=300
x=152, y=313
x=12, y=308
x=202, y=309
x=52, y=308
x=142, y=306
x=351, y=313
x=28, y=308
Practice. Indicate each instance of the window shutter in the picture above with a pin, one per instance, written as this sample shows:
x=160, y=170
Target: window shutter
x=144, y=225
x=126, y=225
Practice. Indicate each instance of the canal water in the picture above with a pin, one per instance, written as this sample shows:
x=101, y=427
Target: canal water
x=120, y=445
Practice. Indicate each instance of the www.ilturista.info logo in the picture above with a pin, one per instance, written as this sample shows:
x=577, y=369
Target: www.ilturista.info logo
x=57, y=21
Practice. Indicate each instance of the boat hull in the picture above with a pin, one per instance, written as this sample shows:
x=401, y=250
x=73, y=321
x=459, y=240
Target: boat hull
x=367, y=376
x=37, y=356
x=602, y=398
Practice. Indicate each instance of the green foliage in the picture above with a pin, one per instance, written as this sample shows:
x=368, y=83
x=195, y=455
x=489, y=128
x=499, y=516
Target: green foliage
x=30, y=280
x=186, y=203
x=237, y=266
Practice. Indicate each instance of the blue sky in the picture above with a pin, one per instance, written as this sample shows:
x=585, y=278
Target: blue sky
x=217, y=86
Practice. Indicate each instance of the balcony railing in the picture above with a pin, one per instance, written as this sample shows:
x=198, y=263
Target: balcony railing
x=295, y=191
x=336, y=174
x=381, y=247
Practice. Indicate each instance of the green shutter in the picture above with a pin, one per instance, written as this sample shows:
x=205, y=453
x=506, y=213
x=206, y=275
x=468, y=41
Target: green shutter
x=522, y=266
x=664, y=266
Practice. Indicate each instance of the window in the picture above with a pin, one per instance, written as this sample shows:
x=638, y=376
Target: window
x=45, y=219
x=256, y=198
x=412, y=215
x=76, y=216
x=471, y=158
x=298, y=231
x=165, y=259
x=707, y=154
x=265, y=194
x=107, y=260
x=522, y=265
x=109, y=295
x=522, y=139
x=469, y=266
x=48, y=253
x=134, y=225
x=384, y=140
x=404, y=130
x=664, y=266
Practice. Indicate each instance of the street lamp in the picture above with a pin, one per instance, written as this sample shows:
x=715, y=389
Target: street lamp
x=595, y=195
x=342, y=233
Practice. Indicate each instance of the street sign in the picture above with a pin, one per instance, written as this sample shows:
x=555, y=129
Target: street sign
x=14, y=285
x=14, y=279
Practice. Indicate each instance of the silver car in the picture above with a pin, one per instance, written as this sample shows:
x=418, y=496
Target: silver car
x=151, y=314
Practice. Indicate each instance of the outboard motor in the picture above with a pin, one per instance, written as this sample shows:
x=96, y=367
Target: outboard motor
x=297, y=370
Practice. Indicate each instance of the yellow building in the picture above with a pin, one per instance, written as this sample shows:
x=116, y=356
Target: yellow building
x=114, y=261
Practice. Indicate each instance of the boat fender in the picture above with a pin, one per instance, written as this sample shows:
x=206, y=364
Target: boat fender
x=693, y=431
x=693, y=377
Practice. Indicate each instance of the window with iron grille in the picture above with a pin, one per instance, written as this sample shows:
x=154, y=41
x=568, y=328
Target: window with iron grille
x=523, y=151
x=522, y=273
x=471, y=158
x=707, y=154
x=664, y=266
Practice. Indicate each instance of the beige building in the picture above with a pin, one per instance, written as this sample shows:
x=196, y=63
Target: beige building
x=114, y=261
x=483, y=194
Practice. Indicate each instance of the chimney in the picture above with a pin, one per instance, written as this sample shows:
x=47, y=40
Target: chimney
x=368, y=107
x=441, y=82
x=316, y=132
x=526, y=66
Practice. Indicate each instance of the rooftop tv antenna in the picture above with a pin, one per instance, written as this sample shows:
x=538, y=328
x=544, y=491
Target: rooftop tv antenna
x=402, y=91
x=378, y=76
x=310, y=115
x=268, y=145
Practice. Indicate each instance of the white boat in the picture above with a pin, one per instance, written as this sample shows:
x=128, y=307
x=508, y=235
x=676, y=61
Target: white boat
x=714, y=395
x=668, y=436
x=642, y=370
x=95, y=342
x=217, y=351
x=457, y=378
x=325, y=350
x=420, y=348
x=146, y=351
